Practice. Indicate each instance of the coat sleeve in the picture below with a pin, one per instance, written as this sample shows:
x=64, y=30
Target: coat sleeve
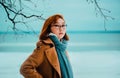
x=28, y=68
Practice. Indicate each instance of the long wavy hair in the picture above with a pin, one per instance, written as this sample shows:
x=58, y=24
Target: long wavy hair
x=47, y=24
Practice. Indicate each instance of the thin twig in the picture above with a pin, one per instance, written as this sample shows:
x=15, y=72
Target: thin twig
x=100, y=11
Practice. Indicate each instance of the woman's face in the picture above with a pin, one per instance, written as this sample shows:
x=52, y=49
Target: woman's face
x=59, y=28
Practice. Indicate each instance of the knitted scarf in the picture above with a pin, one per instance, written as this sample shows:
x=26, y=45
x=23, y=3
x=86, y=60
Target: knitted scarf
x=66, y=70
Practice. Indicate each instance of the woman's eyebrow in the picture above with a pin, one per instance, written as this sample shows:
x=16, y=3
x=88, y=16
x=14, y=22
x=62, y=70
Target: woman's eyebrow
x=58, y=23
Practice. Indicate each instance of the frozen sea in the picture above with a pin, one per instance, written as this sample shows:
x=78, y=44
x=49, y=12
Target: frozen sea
x=92, y=55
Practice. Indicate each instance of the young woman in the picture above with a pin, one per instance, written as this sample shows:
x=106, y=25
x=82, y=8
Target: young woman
x=50, y=58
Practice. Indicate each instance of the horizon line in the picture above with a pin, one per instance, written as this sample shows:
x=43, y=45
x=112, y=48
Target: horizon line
x=69, y=31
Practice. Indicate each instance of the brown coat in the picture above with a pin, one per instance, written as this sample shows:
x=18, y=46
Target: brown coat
x=42, y=63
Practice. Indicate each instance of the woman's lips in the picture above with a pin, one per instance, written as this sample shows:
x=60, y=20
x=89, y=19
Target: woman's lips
x=60, y=33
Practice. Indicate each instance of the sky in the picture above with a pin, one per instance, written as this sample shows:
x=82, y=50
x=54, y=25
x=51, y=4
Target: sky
x=79, y=14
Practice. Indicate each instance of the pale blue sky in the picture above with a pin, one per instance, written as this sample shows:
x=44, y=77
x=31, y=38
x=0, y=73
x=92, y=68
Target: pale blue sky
x=79, y=14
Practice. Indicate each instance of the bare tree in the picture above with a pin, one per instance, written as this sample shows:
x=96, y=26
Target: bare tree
x=101, y=11
x=14, y=9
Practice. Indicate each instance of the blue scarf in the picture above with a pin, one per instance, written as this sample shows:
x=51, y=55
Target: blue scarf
x=66, y=70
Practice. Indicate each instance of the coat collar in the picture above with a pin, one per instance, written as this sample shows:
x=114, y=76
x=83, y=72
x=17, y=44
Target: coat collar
x=52, y=56
x=53, y=59
x=48, y=41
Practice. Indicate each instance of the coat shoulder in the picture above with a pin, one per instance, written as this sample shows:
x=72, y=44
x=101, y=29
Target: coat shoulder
x=45, y=43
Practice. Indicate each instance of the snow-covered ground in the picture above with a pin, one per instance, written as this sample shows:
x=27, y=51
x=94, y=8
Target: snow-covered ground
x=85, y=64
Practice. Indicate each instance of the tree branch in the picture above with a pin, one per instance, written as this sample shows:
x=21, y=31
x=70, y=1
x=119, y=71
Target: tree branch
x=12, y=10
x=100, y=11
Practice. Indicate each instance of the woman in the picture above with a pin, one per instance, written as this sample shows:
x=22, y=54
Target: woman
x=49, y=59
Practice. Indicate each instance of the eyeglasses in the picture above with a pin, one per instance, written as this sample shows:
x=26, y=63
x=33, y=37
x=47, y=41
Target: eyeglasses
x=59, y=26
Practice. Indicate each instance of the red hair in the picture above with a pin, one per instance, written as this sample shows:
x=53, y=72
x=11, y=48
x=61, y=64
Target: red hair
x=47, y=24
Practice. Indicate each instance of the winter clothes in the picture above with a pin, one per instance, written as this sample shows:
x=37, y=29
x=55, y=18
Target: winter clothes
x=43, y=62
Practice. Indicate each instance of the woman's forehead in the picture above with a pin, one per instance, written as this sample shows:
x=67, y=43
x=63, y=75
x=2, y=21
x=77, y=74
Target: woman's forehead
x=59, y=21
